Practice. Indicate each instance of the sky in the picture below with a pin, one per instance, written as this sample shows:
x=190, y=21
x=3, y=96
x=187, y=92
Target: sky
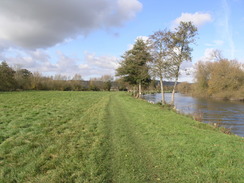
x=88, y=37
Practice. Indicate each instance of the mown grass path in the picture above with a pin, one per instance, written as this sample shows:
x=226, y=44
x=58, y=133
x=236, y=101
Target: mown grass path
x=109, y=137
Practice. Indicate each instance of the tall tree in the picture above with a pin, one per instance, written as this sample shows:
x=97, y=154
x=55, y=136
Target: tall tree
x=159, y=43
x=134, y=68
x=181, y=40
x=7, y=80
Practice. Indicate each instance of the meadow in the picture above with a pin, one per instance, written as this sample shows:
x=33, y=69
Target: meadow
x=54, y=136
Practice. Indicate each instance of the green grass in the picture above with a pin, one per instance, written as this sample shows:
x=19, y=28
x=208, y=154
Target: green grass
x=109, y=137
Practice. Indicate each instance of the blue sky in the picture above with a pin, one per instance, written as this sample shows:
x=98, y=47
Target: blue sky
x=89, y=36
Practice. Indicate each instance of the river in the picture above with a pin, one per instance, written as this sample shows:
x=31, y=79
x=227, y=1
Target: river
x=225, y=113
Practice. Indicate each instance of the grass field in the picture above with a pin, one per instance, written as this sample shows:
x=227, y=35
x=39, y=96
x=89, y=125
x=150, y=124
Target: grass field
x=109, y=137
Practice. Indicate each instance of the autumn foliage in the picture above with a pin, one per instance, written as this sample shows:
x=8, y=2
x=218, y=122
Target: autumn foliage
x=220, y=79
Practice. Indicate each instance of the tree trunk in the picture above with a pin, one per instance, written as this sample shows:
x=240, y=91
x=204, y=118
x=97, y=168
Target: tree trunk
x=139, y=89
x=173, y=92
x=134, y=91
x=162, y=90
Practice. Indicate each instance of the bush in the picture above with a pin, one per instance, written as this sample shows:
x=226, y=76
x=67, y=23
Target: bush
x=184, y=88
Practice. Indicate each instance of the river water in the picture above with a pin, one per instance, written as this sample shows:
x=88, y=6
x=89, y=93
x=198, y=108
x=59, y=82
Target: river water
x=225, y=113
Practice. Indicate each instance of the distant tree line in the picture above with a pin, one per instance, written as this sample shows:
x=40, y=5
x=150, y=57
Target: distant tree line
x=219, y=78
x=23, y=79
x=17, y=79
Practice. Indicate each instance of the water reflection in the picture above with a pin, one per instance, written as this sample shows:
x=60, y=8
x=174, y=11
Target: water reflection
x=227, y=114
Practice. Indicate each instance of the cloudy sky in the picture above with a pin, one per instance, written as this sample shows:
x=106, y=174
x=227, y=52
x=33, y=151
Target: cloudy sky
x=89, y=36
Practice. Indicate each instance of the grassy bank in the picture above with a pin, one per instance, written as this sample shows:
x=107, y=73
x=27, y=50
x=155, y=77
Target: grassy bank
x=109, y=137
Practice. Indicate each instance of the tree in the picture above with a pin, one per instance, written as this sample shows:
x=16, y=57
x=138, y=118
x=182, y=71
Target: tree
x=202, y=76
x=203, y=70
x=219, y=77
x=159, y=43
x=153, y=85
x=184, y=87
x=121, y=84
x=226, y=75
x=107, y=85
x=76, y=82
x=7, y=80
x=36, y=81
x=133, y=68
x=23, y=79
x=59, y=82
x=180, y=49
x=95, y=84
x=107, y=82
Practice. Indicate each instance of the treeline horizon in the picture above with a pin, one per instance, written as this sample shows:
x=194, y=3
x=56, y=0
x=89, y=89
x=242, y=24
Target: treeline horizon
x=207, y=76
x=21, y=79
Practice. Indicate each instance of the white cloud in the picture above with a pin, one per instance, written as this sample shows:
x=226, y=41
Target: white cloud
x=101, y=65
x=186, y=72
x=144, y=38
x=43, y=23
x=40, y=61
x=208, y=55
x=127, y=9
x=197, y=18
x=37, y=60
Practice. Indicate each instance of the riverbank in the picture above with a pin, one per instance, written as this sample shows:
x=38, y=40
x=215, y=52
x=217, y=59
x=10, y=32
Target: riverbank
x=109, y=137
x=224, y=95
x=226, y=114
x=221, y=96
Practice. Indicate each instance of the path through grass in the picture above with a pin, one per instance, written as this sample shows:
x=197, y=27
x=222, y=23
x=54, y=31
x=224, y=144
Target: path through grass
x=109, y=137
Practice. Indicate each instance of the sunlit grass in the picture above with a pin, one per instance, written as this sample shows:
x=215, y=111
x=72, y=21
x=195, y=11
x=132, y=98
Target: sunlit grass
x=109, y=137
x=52, y=136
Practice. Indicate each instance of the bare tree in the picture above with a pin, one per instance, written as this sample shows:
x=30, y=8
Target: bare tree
x=216, y=55
x=158, y=44
x=181, y=39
